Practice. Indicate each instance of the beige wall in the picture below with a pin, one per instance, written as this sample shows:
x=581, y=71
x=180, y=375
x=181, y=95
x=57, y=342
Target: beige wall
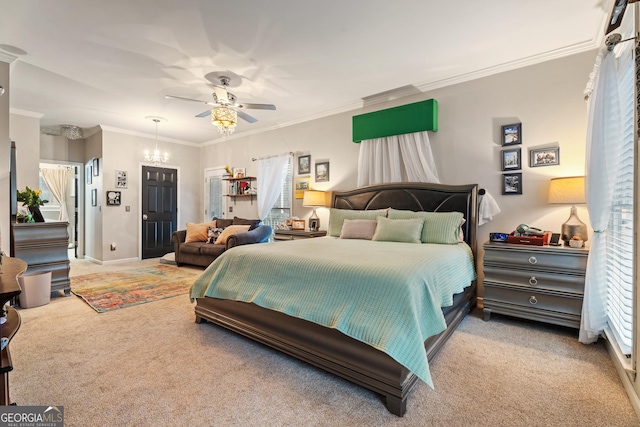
x=5, y=147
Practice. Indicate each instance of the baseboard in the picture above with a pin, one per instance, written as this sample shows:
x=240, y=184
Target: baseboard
x=93, y=260
x=119, y=261
x=624, y=377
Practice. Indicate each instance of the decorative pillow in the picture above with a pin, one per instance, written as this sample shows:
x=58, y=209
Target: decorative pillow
x=213, y=234
x=230, y=231
x=222, y=222
x=358, y=229
x=399, y=230
x=252, y=223
x=337, y=217
x=439, y=227
x=198, y=232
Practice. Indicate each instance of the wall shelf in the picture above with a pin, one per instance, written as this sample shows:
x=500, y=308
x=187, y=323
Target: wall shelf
x=238, y=186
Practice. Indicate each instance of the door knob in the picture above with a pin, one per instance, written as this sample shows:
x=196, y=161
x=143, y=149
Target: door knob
x=144, y=217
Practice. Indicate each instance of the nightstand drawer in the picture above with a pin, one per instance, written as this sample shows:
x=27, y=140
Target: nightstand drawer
x=533, y=299
x=536, y=259
x=571, y=283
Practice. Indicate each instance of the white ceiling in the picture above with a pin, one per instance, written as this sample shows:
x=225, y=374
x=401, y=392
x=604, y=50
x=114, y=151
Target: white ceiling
x=111, y=63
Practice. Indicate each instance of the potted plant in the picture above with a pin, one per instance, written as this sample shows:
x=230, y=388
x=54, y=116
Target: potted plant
x=32, y=200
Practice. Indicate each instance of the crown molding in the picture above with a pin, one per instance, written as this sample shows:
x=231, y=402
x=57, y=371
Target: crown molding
x=26, y=113
x=6, y=57
x=147, y=135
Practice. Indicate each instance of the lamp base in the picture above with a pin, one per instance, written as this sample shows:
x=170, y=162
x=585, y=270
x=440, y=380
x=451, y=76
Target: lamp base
x=574, y=227
x=314, y=221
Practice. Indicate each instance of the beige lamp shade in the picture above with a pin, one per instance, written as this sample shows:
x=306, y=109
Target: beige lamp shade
x=567, y=191
x=313, y=198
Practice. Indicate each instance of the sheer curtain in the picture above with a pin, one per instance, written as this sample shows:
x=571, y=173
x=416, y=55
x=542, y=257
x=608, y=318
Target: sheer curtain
x=604, y=142
x=56, y=180
x=399, y=158
x=270, y=180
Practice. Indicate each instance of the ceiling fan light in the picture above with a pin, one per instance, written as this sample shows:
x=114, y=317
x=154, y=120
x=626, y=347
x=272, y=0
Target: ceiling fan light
x=225, y=119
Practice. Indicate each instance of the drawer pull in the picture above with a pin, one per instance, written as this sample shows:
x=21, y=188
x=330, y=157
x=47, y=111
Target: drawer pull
x=533, y=260
x=533, y=300
x=533, y=281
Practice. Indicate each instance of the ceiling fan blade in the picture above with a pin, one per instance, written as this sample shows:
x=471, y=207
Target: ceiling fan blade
x=256, y=106
x=221, y=94
x=189, y=99
x=204, y=114
x=246, y=117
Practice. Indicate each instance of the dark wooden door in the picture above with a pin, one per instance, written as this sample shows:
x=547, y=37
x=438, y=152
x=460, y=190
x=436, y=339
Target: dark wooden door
x=159, y=210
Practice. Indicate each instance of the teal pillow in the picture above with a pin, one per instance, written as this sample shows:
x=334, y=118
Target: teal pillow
x=337, y=217
x=399, y=230
x=439, y=227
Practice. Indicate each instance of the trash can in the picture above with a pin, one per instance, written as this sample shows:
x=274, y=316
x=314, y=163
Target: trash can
x=36, y=289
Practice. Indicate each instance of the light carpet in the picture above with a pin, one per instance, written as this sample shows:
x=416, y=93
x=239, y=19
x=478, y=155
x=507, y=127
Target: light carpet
x=115, y=290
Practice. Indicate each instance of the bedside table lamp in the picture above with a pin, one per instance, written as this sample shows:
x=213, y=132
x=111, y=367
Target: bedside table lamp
x=569, y=191
x=313, y=199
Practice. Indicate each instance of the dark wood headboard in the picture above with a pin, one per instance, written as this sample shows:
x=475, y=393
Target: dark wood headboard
x=416, y=196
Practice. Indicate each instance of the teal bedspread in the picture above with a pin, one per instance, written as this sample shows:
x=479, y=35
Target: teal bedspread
x=386, y=294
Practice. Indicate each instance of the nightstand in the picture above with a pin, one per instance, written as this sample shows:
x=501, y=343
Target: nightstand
x=297, y=234
x=543, y=283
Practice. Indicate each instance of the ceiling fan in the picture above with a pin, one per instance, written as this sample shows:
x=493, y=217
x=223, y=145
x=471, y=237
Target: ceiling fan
x=223, y=98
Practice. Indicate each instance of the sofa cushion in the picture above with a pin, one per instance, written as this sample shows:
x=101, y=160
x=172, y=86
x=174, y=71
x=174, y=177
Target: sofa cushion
x=252, y=223
x=193, y=247
x=229, y=231
x=222, y=222
x=198, y=232
x=215, y=250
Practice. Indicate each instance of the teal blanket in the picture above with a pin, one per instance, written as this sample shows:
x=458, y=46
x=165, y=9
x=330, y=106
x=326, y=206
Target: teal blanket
x=386, y=294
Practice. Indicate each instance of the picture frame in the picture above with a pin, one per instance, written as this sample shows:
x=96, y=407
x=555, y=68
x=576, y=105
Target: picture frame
x=511, y=183
x=121, y=179
x=113, y=198
x=94, y=197
x=304, y=164
x=549, y=156
x=89, y=173
x=96, y=167
x=511, y=159
x=322, y=172
x=239, y=172
x=511, y=134
x=298, y=224
x=313, y=224
x=301, y=184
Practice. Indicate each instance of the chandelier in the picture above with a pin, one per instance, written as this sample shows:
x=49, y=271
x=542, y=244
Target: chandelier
x=225, y=118
x=156, y=158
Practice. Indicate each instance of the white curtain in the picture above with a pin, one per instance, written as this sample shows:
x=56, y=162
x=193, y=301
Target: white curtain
x=270, y=179
x=399, y=158
x=604, y=140
x=57, y=180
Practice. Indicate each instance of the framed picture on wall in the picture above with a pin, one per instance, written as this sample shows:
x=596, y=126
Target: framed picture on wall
x=89, y=174
x=512, y=134
x=121, y=179
x=304, y=165
x=511, y=159
x=94, y=197
x=544, y=157
x=322, y=171
x=113, y=198
x=511, y=183
x=302, y=184
x=96, y=170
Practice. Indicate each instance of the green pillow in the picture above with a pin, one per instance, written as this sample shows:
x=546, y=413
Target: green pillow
x=399, y=230
x=337, y=217
x=439, y=227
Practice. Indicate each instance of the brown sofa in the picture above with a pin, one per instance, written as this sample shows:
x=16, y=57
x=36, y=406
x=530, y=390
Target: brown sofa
x=202, y=253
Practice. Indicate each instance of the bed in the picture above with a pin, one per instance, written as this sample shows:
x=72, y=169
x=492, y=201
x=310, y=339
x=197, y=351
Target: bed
x=332, y=347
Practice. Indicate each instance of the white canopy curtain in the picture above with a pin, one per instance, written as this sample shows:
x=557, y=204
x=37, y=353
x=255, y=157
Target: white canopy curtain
x=270, y=180
x=398, y=158
x=604, y=142
x=56, y=180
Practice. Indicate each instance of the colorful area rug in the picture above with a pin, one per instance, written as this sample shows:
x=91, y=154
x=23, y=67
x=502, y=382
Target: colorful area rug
x=111, y=291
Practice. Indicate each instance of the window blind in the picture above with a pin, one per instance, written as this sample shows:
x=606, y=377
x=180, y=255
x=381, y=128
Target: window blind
x=620, y=243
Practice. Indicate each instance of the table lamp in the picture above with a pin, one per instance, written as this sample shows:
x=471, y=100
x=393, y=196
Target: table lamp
x=313, y=199
x=569, y=191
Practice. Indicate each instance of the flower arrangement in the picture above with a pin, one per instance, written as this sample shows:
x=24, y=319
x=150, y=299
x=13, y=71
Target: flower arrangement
x=30, y=197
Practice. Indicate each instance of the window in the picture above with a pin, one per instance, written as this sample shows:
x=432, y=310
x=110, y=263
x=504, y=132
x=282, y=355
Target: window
x=281, y=209
x=620, y=232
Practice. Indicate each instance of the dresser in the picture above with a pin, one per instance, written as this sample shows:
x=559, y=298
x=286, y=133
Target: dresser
x=543, y=283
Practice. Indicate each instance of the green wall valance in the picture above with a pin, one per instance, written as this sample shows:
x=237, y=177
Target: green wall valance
x=417, y=117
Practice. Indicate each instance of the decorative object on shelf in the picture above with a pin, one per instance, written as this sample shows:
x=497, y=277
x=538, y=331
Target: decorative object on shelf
x=569, y=191
x=511, y=183
x=297, y=224
x=512, y=134
x=544, y=157
x=304, y=164
x=121, y=179
x=156, y=158
x=314, y=199
x=225, y=119
x=229, y=171
x=113, y=198
x=239, y=172
x=322, y=171
x=576, y=242
x=32, y=200
x=511, y=159
x=302, y=184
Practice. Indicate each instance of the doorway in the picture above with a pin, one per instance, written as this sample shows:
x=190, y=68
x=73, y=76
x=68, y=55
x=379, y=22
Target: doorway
x=159, y=210
x=215, y=202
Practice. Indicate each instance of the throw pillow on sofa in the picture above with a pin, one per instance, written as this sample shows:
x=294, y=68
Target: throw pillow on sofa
x=252, y=223
x=230, y=231
x=214, y=233
x=198, y=232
